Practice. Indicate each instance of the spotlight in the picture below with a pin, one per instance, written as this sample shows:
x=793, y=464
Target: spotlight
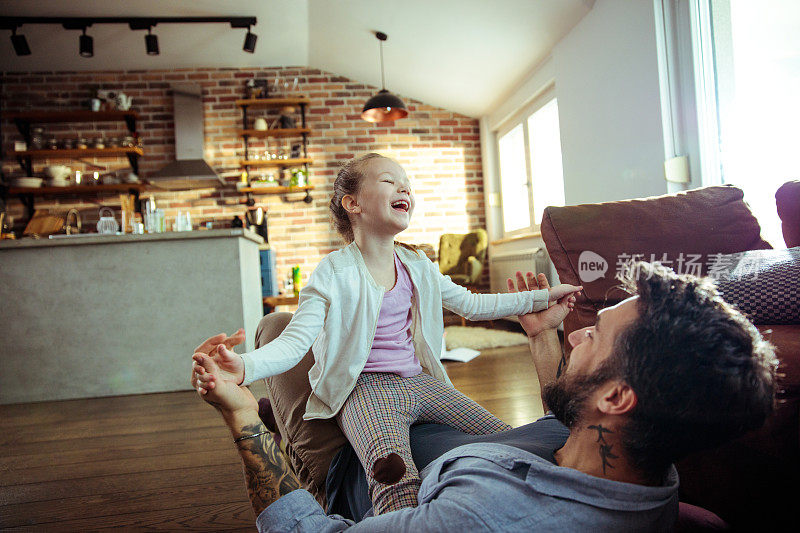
x=250, y=41
x=20, y=44
x=151, y=43
x=86, y=45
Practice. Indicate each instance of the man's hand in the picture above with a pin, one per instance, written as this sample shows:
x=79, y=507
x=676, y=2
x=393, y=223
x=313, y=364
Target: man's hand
x=230, y=365
x=550, y=318
x=267, y=472
x=228, y=397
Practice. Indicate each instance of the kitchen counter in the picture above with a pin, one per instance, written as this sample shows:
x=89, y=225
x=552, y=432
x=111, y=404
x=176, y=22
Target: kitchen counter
x=106, y=315
x=97, y=238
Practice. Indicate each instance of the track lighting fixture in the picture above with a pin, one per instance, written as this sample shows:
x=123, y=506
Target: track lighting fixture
x=249, y=41
x=86, y=45
x=151, y=43
x=20, y=44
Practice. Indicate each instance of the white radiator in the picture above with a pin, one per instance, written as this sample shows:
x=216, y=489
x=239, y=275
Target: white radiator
x=504, y=266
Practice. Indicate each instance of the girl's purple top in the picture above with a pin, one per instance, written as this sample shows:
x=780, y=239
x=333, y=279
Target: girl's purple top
x=393, y=348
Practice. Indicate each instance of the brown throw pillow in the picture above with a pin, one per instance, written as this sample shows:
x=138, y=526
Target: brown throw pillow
x=310, y=444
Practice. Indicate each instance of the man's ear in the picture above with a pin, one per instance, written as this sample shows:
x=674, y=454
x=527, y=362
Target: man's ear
x=350, y=204
x=617, y=398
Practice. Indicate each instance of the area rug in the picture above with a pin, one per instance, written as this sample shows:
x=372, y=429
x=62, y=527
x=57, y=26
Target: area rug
x=481, y=338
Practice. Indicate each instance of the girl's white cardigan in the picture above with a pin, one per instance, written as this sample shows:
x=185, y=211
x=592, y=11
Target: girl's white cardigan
x=338, y=313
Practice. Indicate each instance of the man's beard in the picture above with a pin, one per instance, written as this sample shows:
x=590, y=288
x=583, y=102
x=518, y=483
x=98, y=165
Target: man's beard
x=567, y=396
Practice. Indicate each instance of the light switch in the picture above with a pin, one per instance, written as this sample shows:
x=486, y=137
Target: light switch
x=677, y=169
x=494, y=199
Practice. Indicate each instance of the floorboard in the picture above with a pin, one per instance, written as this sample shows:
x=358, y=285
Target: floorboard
x=165, y=461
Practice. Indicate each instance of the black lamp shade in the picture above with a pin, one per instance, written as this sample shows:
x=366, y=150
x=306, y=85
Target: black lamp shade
x=20, y=45
x=250, y=42
x=151, y=43
x=86, y=46
x=384, y=106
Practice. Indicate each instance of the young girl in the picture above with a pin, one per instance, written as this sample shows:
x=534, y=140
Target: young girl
x=372, y=313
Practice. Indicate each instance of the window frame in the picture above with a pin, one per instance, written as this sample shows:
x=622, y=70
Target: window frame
x=521, y=117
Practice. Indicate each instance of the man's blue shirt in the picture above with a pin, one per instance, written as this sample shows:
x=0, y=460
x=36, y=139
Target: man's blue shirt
x=495, y=487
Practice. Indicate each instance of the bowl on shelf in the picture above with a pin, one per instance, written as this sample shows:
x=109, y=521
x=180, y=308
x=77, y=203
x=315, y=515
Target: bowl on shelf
x=27, y=182
x=57, y=172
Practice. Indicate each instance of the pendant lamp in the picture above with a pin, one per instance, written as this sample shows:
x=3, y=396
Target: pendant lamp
x=384, y=106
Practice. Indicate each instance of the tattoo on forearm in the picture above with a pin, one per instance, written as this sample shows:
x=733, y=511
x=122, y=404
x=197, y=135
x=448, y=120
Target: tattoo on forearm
x=266, y=470
x=605, y=447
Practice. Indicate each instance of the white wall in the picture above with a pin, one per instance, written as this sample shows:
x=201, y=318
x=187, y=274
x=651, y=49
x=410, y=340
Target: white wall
x=606, y=80
x=606, y=72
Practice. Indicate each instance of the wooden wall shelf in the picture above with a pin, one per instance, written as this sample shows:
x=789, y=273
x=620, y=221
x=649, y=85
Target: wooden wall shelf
x=273, y=102
x=276, y=189
x=278, y=132
x=79, y=152
x=77, y=189
x=78, y=115
x=274, y=162
x=24, y=120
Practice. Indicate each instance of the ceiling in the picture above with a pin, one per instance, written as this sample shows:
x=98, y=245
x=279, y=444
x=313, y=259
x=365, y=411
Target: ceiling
x=461, y=55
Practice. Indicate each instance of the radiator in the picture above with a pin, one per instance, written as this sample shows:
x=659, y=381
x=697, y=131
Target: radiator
x=503, y=266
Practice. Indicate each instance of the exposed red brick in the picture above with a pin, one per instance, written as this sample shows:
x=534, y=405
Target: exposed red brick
x=440, y=150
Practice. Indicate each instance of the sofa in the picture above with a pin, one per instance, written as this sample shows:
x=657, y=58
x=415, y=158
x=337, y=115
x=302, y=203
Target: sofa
x=747, y=482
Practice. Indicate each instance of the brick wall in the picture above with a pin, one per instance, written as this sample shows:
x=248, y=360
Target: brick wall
x=440, y=151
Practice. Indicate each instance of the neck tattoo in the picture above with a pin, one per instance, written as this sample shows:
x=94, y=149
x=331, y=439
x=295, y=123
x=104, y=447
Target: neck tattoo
x=605, y=448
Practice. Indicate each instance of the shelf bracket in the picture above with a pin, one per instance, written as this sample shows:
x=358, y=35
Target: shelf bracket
x=133, y=159
x=28, y=201
x=137, y=202
x=24, y=128
x=26, y=164
x=130, y=122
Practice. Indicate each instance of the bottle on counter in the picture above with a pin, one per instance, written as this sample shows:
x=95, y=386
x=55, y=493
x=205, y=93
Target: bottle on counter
x=297, y=280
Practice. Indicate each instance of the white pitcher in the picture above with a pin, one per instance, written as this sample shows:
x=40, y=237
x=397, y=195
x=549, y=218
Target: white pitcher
x=107, y=224
x=123, y=102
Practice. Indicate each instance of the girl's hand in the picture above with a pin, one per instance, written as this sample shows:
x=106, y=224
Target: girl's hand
x=229, y=364
x=550, y=318
x=219, y=391
x=559, y=291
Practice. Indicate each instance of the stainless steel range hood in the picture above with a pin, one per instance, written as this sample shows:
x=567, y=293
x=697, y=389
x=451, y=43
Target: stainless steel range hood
x=189, y=170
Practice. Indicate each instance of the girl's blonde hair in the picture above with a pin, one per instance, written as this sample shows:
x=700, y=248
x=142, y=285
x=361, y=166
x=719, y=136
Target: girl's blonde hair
x=348, y=181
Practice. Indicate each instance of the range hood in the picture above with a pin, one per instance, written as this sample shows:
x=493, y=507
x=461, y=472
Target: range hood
x=189, y=170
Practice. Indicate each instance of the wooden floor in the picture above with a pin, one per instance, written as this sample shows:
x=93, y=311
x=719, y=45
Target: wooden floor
x=165, y=461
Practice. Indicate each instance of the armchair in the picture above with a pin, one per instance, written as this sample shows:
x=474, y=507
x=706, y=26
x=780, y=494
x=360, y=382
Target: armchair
x=461, y=256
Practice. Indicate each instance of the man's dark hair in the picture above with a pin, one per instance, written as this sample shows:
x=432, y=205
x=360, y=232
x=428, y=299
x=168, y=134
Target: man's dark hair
x=700, y=369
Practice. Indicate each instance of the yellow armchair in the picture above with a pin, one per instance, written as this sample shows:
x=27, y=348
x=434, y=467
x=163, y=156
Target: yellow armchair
x=461, y=256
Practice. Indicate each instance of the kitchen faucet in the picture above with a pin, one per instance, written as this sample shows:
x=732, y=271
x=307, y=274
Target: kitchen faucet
x=69, y=229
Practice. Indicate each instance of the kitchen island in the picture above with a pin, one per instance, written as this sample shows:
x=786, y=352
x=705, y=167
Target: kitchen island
x=104, y=315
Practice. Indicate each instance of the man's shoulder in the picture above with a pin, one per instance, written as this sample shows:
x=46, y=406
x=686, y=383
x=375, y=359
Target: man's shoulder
x=502, y=456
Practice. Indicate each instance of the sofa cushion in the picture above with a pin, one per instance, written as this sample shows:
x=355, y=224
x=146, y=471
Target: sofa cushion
x=787, y=199
x=762, y=284
x=680, y=230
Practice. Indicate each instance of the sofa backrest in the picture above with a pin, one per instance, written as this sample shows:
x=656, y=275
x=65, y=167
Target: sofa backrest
x=682, y=230
x=787, y=199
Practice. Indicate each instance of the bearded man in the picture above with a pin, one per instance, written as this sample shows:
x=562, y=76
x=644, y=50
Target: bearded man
x=669, y=371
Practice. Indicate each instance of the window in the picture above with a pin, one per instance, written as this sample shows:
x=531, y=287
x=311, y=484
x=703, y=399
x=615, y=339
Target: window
x=531, y=177
x=755, y=79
